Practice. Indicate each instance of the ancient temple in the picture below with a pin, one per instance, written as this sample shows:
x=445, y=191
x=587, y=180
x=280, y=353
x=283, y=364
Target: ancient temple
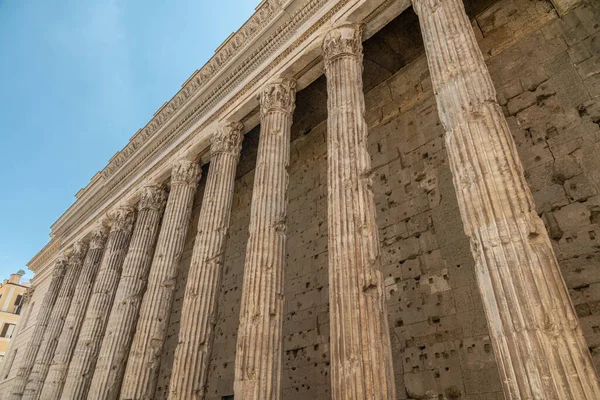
x=353, y=199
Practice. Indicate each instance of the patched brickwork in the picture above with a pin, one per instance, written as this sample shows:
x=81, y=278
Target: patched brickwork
x=547, y=74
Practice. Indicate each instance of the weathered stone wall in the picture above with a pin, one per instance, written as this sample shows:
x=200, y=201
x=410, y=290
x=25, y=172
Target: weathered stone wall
x=547, y=73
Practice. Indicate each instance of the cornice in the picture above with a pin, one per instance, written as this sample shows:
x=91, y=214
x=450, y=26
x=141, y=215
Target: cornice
x=277, y=32
x=45, y=256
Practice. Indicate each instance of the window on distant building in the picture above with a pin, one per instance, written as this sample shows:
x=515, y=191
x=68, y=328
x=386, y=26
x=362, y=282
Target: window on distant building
x=7, y=330
x=18, y=304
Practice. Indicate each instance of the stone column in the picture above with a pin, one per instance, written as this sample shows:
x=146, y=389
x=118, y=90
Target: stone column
x=361, y=354
x=198, y=318
x=37, y=336
x=537, y=339
x=146, y=349
x=56, y=322
x=84, y=358
x=112, y=357
x=259, y=356
x=55, y=378
x=9, y=357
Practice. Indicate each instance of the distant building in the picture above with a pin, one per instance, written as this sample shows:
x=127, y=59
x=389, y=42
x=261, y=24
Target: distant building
x=11, y=300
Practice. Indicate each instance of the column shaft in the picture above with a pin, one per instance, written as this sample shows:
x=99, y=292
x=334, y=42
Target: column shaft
x=113, y=353
x=146, y=349
x=54, y=381
x=84, y=358
x=37, y=336
x=537, y=339
x=57, y=372
x=192, y=355
x=361, y=355
x=55, y=324
x=259, y=355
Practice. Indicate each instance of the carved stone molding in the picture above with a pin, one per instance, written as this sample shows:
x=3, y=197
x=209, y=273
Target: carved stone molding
x=98, y=238
x=153, y=197
x=122, y=219
x=185, y=172
x=279, y=95
x=345, y=40
x=228, y=139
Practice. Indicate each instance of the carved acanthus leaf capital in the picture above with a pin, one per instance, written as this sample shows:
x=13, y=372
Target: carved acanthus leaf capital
x=122, y=219
x=28, y=295
x=228, y=139
x=78, y=252
x=98, y=238
x=343, y=40
x=60, y=267
x=279, y=95
x=152, y=197
x=185, y=172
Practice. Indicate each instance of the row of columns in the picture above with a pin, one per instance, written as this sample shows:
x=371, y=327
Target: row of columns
x=85, y=351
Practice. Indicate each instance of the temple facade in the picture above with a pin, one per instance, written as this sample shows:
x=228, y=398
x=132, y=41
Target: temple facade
x=353, y=199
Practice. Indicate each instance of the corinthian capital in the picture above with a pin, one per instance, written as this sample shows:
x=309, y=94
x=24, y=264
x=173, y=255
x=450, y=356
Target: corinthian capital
x=152, y=197
x=98, y=239
x=28, y=295
x=60, y=266
x=279, y=95
x=345, y=40
x=228, y=139
x=122, y=219
x=185, y=172
x=78, y=252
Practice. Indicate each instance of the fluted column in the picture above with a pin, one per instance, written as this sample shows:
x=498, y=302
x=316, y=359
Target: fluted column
x=113, y=353
x=84, y=358
x=37, y=336
x=56, y=322
x=146, y=349
x=198, y=317
x=259, y=356
x=9, y=357
x=361, y=354
x=537, y=339
x=57, y=372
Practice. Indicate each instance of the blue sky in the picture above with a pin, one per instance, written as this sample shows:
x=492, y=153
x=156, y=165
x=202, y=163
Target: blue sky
x=77, y=80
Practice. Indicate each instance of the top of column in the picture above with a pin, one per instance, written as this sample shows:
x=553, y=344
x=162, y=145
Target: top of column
x=344, y=40
x=152, y=197
x=122, y=219
x=279, y=95
x=228, y=139
x=61, y=266
x=98, y=237
x=185, y=172
x=78, y=252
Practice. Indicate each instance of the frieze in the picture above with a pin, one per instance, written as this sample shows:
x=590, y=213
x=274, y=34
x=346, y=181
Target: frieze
x=264, y=14
x=202, y=112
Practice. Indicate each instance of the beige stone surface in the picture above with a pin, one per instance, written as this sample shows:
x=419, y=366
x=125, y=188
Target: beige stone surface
x=196, y=335
x=143, y=363
x=120, y=329
x=361, y=354
x=259, y=353
x=35, y=342
x=57, y=372
x=85, y=355
x=56, y=322
x=537, y=339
